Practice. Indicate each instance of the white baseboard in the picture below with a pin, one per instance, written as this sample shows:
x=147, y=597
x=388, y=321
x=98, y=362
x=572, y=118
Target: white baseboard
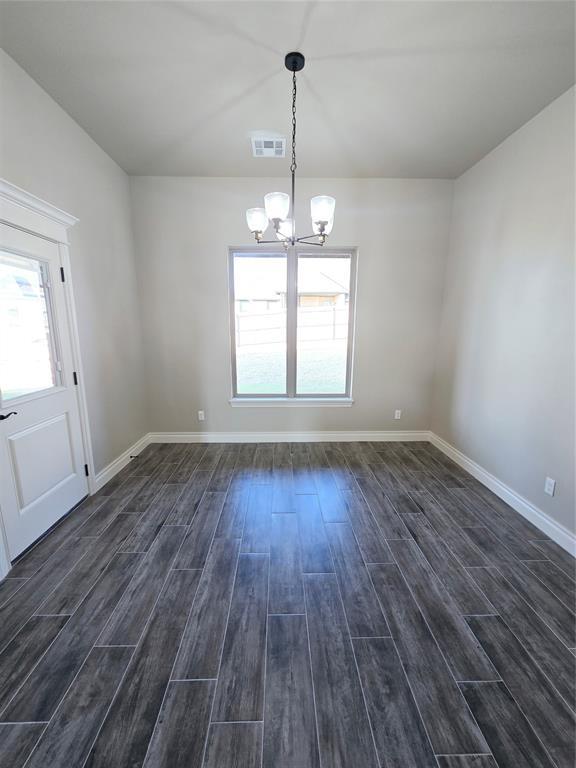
x=119, y=463
x=284, y=437
x=557, y=532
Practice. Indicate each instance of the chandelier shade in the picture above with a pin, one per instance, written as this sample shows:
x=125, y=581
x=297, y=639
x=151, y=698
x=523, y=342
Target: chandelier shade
x=257, y=219
x=322, y=208
x=277, y=205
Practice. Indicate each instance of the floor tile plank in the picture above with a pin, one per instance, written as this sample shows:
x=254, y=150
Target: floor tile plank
x=314, y=548
x=343, y=478
x=507, y=534
x=256, y=535
x=210, y=457
x=38, y=698
x=361, y=606
x=387, y=479
x=508, y=733
x=16, y=611
x=247, y=643
x=140, y=539
x=101, y=519
x=403, y=503
x=78, y=582
x=234, y=745
x=523, y=527
x=542, y=644
x=384, y=512
x=223, y=471
x=8, y=587
x=290, y=738
x=16, y=742
x=21, y=655
x=282, y=480
x=71, y=732
x=368, y=534
x=492, y=547
x=185, y=508
x=144, y=497
x=188, y=463
x=550, y=609
x=455, y=538
x=345, y=737
x=454, y=577
x=240, y=689
x=203, y=638
x=129, y=618
x=286, y=589
x=231, y=523
x=399, y=733
x=558, y=582
x=547, y=713
x=466, y=761
x=302, y=473
x=358, y=462
x=332, y=504
x=557, y=555
x=124, y=494
x=460, y=510
x=32, y=560
x=129, y=724
x=262, y=466
x=462, y=652
x=196, y=544
x=180, y=735
x=447, y=719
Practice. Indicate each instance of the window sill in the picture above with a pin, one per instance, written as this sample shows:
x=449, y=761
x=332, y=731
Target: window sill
x=291, y=402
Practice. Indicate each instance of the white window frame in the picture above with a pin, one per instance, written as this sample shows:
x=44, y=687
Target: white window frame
x=290, y=397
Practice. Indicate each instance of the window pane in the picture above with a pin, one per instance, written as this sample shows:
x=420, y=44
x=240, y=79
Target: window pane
x=26, y=346
x=323, y=308
x=260, y=323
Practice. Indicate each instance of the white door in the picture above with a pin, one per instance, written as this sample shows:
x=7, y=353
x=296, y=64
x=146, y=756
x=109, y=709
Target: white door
x=42, y=469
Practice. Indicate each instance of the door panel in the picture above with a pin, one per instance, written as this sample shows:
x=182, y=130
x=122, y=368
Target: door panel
x=41, y=458
x=41, y=451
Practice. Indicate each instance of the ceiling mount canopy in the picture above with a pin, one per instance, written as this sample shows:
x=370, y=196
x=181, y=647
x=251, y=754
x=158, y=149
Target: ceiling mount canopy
x=279, y=205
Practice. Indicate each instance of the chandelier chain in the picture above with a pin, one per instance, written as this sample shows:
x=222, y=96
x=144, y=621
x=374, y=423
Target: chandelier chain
x=293, y=166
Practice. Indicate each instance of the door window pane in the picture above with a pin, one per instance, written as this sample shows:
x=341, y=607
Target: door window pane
x=260, y=324
x=322, y=324
x=27, y=359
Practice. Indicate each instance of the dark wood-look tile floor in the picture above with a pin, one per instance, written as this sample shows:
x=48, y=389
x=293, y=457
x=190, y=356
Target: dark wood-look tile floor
x=336, y=605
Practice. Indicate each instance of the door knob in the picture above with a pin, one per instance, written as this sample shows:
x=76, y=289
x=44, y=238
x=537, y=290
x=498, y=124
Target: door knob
x=12, y=413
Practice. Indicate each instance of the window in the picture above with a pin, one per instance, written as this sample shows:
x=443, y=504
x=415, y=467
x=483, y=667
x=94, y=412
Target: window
x=28, y=360
x=292, y=323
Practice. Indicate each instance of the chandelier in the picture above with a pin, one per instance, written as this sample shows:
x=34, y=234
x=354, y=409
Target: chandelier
x=278, y=205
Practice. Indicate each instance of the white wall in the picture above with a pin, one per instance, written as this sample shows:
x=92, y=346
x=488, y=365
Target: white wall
x=504, y=391
x=183, y=228
x=46, y=153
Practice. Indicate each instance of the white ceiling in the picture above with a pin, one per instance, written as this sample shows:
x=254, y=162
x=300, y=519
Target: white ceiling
x=398, y=89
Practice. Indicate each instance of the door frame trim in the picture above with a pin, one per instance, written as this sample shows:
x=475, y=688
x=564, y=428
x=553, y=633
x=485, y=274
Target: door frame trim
x=21, y=210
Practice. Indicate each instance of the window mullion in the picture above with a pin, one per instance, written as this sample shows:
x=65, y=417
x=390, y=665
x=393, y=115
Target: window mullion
x=291, y=312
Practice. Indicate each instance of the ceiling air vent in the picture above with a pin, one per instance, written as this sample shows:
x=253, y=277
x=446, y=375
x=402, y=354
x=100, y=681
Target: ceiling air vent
x=273, y=147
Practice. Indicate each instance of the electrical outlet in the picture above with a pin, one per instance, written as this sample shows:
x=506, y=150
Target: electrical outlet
x=550, y=486
x=398, y=414
x=201, y=416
